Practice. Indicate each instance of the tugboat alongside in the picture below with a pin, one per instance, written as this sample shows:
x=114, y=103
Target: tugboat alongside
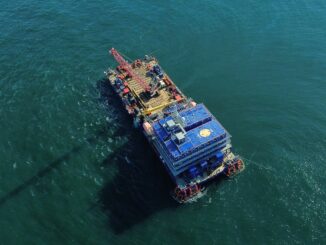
x=191, y=144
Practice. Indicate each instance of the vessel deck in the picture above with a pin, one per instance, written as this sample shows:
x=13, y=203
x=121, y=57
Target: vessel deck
x=149, y=104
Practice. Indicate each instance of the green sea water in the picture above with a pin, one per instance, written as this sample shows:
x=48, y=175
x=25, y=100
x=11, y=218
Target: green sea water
x=72, y=169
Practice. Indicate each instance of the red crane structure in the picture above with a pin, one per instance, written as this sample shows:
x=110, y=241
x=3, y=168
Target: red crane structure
x=127, y=67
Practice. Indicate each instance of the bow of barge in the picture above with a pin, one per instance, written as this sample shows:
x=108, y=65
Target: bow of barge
x=190, y=142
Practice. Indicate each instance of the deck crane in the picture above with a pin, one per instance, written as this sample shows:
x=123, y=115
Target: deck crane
x=127, y=67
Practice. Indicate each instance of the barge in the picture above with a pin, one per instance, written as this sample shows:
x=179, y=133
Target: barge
x=191, y=143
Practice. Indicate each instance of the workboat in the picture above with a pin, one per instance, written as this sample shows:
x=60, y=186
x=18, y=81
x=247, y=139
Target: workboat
x=191, y=143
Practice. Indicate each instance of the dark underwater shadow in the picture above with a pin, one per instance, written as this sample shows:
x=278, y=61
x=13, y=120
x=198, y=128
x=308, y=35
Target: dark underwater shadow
x=141, y=186
x=101, y=133
x=40, y=174
x=55, y=164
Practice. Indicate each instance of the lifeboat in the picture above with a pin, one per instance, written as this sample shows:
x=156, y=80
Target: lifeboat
x=183, y=195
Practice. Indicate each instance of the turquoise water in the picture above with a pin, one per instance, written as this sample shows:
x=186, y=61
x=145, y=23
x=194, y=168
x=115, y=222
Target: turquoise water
x=74, y=172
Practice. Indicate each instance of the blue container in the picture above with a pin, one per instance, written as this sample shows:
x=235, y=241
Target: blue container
x=219, y=157
x=215, y=164
x=149, y=74
x=157, y=69
x=204, y=165
x=117, y=81
x=193, y=172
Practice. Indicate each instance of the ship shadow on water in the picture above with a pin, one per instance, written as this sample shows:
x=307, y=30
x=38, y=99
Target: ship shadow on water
x=100, y=134
x=141, y=187
x=53, y=165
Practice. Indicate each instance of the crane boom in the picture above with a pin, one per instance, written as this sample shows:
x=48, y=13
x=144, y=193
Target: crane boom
x=127, y=67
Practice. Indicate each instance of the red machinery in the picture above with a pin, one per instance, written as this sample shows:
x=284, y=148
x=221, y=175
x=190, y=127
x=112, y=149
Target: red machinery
x=127, y=67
